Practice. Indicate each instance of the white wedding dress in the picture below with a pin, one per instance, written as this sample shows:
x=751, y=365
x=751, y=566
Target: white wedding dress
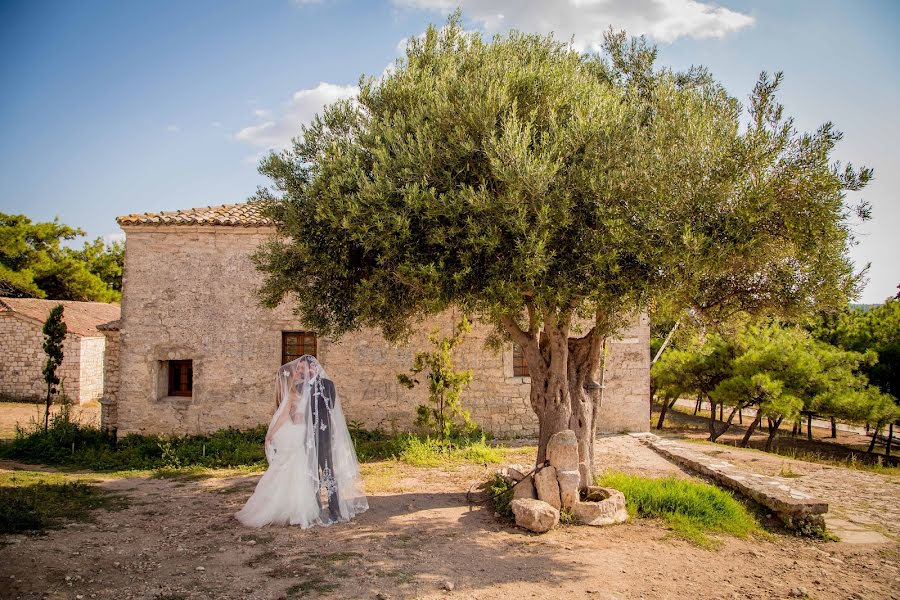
x=291, y=490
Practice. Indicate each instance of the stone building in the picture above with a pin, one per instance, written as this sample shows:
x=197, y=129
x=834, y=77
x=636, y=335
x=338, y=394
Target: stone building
x=22, y=354
x=194, y=351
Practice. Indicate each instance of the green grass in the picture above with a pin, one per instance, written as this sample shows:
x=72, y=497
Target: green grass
x=690, y=509
x=70, y=444
x=33, y=501
x=431, y=452
x=73, y=444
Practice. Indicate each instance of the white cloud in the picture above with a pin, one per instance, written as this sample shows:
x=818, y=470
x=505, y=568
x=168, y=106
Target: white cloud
x=586, y=20
x=109, y=238
x=173, y=128
x=262, y=113
x=277, y=131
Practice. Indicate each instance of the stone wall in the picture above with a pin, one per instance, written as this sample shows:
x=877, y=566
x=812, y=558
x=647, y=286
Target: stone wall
x=109, y=401
x=22, y=359
x=189, y=294
x=91, y=368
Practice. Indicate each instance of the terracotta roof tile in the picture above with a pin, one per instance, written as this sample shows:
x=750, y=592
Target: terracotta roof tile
x=247, y=214
x=82, y=318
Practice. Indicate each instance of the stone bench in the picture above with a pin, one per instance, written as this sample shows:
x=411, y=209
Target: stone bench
x=796, y=509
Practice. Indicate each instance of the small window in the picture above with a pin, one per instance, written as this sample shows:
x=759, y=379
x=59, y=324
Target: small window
x=181, y=377
x=295, y=344
x=520, y=365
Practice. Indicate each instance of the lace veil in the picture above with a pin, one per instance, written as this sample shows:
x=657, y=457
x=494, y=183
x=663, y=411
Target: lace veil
x=297, y=384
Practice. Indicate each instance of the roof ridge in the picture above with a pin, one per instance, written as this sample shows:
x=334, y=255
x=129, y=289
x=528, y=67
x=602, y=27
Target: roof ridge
x=244, y=214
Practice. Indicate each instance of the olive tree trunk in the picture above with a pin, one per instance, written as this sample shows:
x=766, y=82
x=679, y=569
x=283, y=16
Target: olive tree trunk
x=566, y=377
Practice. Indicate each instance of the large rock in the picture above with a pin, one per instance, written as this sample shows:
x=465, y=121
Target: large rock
x=568, y=488
x=524, y=489
x=603, y=506
x=562, y=450
x=534, y=515
x=516, y=472
x=547, y=487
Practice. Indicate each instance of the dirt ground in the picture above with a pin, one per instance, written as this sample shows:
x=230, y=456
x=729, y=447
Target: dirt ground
x=24, y=414
x=178, y=539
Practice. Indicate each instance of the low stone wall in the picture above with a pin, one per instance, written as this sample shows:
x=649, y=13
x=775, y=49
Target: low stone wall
x=797, y=509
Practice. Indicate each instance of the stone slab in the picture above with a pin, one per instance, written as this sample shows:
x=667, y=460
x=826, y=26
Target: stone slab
x=796, y=508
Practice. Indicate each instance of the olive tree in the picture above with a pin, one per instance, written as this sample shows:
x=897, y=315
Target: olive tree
x=538, y=188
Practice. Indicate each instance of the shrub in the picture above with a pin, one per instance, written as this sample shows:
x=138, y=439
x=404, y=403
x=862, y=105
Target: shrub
x=500, y=494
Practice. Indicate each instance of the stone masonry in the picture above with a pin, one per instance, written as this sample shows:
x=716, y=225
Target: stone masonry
x=188, y=293
x=22, y=355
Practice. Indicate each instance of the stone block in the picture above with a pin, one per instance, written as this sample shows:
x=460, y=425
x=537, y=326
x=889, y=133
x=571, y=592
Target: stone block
x=535, y=515
x=562, y=450
x=547, y=486
x=524, y=489
x=568, y=488
x=602, y=506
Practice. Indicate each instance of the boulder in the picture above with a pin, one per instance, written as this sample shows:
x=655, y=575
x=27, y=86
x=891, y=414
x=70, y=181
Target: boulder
x=568, y=488
x=534, y=515
x=603, y=506
x=525, y=489
x=516, y=472
x=547, y=487
x=562, y=450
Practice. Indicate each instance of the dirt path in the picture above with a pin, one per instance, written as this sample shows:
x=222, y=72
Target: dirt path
x=178, y=539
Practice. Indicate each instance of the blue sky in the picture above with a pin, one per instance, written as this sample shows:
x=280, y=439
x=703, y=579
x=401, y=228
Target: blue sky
x=109, y=108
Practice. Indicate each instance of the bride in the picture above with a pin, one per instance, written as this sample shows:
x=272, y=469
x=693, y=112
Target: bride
x=310, y=455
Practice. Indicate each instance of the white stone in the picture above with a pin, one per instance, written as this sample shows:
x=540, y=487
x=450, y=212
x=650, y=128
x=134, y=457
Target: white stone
x=535, y=515
x=524, y=489
x=604, y=506
x=547, y=487
x=568, y=488
x=562, y=450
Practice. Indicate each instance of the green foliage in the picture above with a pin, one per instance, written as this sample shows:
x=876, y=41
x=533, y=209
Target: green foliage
x=30, y=503
x=781, y=371
x=500, y=494
x=445, y=384
x=517, y=173
x=432, y=452
x=874, y=330
x=226, y=448
x=33, y=263
x=690, y=509
x=97, y=450
x=54, y=331
x=104, y=261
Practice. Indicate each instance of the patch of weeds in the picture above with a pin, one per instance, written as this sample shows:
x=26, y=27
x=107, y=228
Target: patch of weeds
x=261, y=558
x=690, y=509
x=787, y=471
x=567, y=517
x=310, y=586
x=259, y=538
x=29, y=505
x=401, y=577
x=500, y=495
